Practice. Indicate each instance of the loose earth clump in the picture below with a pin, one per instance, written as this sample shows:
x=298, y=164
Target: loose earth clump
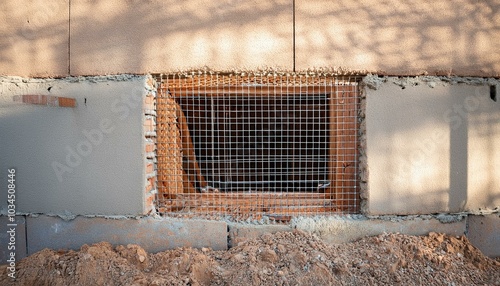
x=285, y=258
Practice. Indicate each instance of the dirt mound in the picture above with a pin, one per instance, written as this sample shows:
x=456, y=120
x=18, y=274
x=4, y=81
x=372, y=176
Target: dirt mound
x=288, y=258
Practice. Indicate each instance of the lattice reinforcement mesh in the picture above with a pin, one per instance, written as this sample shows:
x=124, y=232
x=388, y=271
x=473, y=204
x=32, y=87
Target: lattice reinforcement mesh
x=253, y=146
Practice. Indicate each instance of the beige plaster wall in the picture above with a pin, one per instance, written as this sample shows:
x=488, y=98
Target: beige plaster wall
x=400, y=37
x=52, y=37
x=34, y=37
x=432, y=147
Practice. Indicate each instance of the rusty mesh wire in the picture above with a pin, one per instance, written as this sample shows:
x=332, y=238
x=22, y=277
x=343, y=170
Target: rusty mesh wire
x=250, y=145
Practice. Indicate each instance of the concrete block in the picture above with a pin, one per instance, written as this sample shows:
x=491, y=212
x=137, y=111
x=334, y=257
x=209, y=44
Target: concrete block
x=34, y=39
x=341, y=230
x=158, y=36
x=432, y=146
x=20, y=243
x=241, y=232
x=351, y=34
x=153, y=235
x=484, y=233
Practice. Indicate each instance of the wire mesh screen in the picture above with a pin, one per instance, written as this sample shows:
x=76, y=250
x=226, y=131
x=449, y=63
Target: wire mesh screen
x=254, y=146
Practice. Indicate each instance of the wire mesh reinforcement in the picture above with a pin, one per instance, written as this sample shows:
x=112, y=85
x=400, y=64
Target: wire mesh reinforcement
x=249, y=146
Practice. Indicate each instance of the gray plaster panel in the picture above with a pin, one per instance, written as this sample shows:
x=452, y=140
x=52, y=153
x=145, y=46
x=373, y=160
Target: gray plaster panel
x=153, y=235
x=341, y=230
x=432, y=150
x=105, y=176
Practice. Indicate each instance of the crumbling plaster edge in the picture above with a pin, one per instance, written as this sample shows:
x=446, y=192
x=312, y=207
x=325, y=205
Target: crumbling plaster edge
x=363, y=159
x=374, y=81
x=442, y=217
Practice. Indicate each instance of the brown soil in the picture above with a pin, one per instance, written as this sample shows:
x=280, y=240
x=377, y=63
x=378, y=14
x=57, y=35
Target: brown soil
x=288, y=258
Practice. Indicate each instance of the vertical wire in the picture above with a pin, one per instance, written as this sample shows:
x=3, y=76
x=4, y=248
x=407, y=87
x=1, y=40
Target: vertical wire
x=343, y=145
x=325, y=131
x=281, y=84
x=356, y=140
x=213, y=140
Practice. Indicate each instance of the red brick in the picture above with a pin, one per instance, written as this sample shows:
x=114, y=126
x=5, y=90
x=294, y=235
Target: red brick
x=67, y=102
x=149, y=168
x=150, y=185
x=48, y=100
x=150, y=202
x=149, y=102
x=149, y=125
x=150, y=147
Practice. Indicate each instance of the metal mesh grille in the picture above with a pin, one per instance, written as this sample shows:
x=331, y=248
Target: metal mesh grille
x=249, y=146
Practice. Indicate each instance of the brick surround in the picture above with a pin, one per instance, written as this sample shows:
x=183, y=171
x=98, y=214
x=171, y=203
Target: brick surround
x=149, y=129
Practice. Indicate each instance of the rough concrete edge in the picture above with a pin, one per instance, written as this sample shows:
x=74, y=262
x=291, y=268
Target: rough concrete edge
x=362, y=159
x=374, y=81
x=264, y=71
x=338, y=229
x=331, y=71
x=72, y=79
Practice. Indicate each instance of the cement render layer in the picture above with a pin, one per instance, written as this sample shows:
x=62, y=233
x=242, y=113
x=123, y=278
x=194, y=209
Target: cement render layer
x=340, y=230
x=484, y=233
x=96, y=174
x=153, y=235
x=54, y=38
x=432, y=147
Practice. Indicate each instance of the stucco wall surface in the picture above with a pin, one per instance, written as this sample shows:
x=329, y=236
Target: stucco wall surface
x=433, y=145
x=83, y=160
x=88, y=37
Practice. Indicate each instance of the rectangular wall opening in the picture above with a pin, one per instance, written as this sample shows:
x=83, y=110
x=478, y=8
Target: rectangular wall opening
x=248, y=146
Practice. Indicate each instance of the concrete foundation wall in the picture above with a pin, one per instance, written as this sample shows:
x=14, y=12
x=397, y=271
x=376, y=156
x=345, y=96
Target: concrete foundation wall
x=433, y=145
x=56, y=37
x=87, y=159
x=35, y=233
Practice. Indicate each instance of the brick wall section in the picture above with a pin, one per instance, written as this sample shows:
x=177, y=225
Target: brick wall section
x=47, y=100
x=150, y=145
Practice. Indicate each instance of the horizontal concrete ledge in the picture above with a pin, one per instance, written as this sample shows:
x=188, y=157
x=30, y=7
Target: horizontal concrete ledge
x=340, y=229
x=152, y=234
x=484, y=233
x=159, y=234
